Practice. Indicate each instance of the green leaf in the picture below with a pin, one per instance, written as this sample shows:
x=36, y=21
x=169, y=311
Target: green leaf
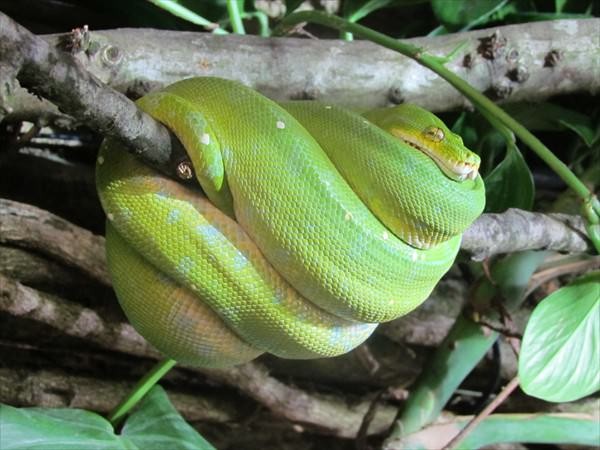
x=354, y=10
x=53, y=429
x=179, y=9
x=157, y=424
x=559, y=5
x=457, y=14
x=550, y=117
x=292, y=5
x=510, y=184
x=583, y=129
x=559, y=357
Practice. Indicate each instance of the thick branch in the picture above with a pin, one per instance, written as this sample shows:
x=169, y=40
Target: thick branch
x=57, y=76
x=70, y=318
x=517, y=230
x=530, y=61
x=54, y=389
x=30, y=227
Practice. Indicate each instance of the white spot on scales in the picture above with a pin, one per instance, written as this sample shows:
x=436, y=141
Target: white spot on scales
x=280, y=125
x=205, y=139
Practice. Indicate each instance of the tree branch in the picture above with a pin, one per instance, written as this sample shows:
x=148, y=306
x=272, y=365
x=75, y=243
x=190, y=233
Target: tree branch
x=356, y=74
x=59, y=77
x=518, y=230
x=33, y=228
x=55, y=389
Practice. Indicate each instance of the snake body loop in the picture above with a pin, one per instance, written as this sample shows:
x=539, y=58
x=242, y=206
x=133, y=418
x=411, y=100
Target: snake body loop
x=338, y=225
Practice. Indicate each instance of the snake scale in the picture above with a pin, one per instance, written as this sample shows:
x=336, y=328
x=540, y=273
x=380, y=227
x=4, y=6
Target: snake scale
x=315, y=223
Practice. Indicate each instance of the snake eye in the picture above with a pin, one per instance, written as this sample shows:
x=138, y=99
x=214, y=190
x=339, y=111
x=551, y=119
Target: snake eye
x=433, y=133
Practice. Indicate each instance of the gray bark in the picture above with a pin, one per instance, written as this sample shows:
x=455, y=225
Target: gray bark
x=531, y=62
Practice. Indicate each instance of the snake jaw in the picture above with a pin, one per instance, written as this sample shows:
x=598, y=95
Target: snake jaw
x=466, y=171
x=455, y=170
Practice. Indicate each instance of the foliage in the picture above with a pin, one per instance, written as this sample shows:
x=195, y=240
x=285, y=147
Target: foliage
x=155, y=424
x=559, y=357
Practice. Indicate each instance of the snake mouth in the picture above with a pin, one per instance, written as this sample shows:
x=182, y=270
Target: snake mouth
x=456, y=170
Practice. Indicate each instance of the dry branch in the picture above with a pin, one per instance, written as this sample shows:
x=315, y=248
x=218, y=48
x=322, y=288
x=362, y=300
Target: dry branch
x=356, y=74
x=30, y=227
x=33, y=228
x=517, y=230
x=57, y=76
x=55, y=389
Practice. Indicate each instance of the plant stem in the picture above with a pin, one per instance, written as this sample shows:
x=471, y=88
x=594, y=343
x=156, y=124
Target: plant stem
x=263, y=22
x=140, y=389
x=436, y=64
x=235, y=16
x=503, y=395
x=187, y=14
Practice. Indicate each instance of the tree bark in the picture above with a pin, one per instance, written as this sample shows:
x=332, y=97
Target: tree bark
x=530, y=62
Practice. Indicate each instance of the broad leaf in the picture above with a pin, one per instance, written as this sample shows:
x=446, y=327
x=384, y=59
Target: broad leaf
x=510, y=184
x=582, y=128
x=550, y=117
x=65, y=429
x=559, y=357
x=157, y=424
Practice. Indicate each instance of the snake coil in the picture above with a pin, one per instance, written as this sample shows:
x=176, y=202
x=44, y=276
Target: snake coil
x=339, y=223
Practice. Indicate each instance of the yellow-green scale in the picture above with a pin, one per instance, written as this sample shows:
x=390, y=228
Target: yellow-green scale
x=181, y=233
x=292, y=202
x=299, y=221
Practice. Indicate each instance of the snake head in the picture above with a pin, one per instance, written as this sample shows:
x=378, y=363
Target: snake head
x=424, y=131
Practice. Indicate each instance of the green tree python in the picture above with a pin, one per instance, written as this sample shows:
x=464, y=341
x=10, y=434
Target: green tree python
x=314, y=225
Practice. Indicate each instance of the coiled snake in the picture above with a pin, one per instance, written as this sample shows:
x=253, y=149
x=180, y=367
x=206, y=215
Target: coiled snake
x=319, y=223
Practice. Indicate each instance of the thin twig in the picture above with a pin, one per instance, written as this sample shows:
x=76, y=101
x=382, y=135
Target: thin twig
x=503, y=330
x=511, y=386
x=361, y=435
x=569, y=267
